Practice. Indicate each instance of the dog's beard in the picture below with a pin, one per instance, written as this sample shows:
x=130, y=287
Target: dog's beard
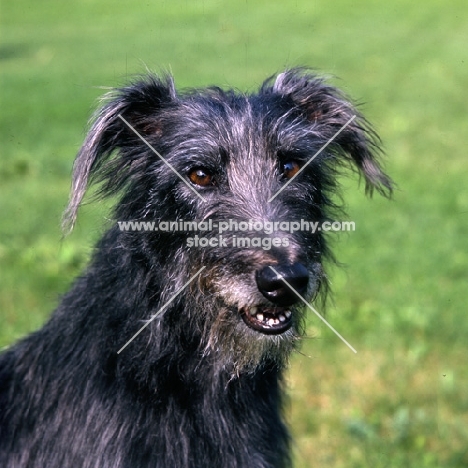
x=238, y=345
x=235, y=348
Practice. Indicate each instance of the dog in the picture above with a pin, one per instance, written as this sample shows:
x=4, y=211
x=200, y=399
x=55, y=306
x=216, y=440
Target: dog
x=170, y=349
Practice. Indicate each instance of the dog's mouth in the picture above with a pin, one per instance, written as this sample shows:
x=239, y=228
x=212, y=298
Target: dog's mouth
x=268, y=320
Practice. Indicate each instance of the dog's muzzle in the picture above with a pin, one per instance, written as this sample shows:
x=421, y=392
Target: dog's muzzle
x=281, y=285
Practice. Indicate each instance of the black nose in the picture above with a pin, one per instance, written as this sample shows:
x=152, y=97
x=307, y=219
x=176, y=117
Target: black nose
x=270, y=282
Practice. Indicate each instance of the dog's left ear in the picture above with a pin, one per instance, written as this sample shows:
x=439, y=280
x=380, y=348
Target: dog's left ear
x=114, y=151
x=329, y=112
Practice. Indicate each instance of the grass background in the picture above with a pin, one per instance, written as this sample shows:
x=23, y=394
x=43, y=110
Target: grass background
x=402, y=400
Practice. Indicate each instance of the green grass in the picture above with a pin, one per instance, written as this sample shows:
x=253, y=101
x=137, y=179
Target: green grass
x=402, y=400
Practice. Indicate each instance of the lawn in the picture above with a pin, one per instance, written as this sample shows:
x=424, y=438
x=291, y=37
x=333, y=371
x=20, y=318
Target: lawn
x=400, y=295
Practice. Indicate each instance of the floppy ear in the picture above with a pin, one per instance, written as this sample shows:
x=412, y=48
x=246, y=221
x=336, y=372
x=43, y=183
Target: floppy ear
x=330, y=112
x=139, y=104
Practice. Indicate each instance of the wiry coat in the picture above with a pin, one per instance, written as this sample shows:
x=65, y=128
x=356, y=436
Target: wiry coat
x=197, y=387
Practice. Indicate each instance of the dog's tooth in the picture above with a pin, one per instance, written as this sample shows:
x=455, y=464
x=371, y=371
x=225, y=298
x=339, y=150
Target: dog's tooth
x=253, y=311
x=260, y=317
x=271, y=322
x=288, y=313
x=282, y=318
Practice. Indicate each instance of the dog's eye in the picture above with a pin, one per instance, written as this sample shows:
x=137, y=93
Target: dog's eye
x=289, y=169
x=201, y=177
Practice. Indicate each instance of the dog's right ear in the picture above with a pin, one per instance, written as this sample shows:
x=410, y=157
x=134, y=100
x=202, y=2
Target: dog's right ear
x=130, y=110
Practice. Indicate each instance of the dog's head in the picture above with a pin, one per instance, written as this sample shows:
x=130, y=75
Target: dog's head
x=251, y=165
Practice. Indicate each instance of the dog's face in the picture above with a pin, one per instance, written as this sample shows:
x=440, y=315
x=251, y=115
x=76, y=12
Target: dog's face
x=251, y=165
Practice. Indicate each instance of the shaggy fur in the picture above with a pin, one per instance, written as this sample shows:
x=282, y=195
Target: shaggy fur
x=201, y=385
